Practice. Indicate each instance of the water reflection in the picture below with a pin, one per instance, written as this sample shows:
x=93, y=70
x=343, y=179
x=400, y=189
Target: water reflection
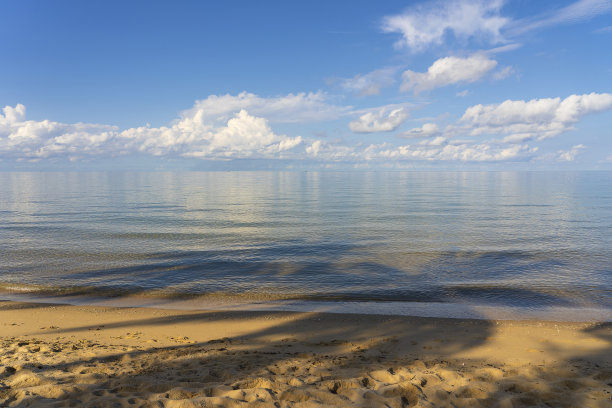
x=475, y=237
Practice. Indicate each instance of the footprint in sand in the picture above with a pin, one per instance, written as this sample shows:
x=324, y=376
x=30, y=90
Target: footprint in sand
x=183, y=339
x=135, y=335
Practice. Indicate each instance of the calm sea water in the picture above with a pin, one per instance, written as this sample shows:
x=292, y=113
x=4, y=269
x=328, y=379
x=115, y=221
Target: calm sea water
x=517, y=239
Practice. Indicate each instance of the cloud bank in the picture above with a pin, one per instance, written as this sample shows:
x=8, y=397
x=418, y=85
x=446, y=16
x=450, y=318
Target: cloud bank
x=493, y=132
x=195, y=134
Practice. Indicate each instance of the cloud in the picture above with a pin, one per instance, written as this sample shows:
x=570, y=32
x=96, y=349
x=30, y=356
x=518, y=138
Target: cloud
x=370, y=83
x=503, y=73
x=241, y=136
x=432, y=23
x=570, y=155
x=534, y=119
x=447, y=71
x=464, y=152
x=325, y=151
x=436, y=141
x=603, y=30
x=20, y=138
x=576, y=12
x=504, y=48
x=563, y=155
x=505, y=128
x=379, y=120
x=12, y=115
x=427, y=130
x=428, y=24
x=291, y=108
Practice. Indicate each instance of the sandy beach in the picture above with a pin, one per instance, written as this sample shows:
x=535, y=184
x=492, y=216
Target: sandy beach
x=63, y=356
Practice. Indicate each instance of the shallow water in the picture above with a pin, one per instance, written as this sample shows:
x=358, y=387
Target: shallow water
x=534, y=240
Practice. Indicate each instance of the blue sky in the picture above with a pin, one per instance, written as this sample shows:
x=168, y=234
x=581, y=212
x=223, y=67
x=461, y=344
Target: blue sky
x=512, y=84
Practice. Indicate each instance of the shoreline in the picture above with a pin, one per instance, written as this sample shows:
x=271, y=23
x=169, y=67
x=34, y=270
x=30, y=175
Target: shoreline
x=99, y=355
x=261, y=303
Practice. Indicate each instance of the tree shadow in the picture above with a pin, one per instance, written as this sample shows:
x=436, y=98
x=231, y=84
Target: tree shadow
x=305, y=359
x=311, y=358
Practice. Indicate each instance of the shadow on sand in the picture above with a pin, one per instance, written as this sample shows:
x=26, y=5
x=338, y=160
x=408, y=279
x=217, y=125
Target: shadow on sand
x=297, y=360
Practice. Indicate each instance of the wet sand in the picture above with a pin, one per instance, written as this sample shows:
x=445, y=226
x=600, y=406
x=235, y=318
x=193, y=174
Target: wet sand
x=54, y=355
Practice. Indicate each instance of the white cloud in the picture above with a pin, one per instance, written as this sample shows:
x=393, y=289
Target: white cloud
x=428, y=24
x=603, y=30
x=323, y=150
x=370, y=83
x=12, y=115
x=20, y=138
x=436, y=141
x=242, y=135
x=436, y=149
x=506, y=127
x=576, y=12
x=570, y=155
x=463, y=93
x=504, y=48
x=447, y=71
x=314, y=148
x=379, y=120
x=503, y=73
x=534, y=119
x=291, y=108
x=431, y=23
x=427, y=130
x=482, y=152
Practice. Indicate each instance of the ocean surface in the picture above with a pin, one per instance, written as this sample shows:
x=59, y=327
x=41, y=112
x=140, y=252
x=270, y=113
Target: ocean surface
x=524, y=240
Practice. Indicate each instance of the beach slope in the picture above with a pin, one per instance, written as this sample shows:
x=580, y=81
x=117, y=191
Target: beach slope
x=61, y=356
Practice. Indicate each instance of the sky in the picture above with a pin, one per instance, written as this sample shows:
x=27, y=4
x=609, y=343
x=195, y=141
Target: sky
x=243, y=85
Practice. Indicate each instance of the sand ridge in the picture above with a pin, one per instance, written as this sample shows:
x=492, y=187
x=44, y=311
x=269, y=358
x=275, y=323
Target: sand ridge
x=105, y=357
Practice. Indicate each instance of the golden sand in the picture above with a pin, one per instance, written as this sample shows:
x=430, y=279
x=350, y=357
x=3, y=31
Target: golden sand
x=137, y=357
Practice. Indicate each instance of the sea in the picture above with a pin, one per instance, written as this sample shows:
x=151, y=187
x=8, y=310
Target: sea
x=494, y=245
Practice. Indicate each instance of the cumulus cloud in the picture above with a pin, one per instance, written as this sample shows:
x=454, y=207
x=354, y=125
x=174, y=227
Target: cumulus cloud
x=381, y=120
x=428, y=24
x=20, y=138
x=447, y=71
x=427, y=130
x=370, y=83
x=534, y=119
x=291, y=108
x=505, y=128
x=242, y=135
x=12, y=115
